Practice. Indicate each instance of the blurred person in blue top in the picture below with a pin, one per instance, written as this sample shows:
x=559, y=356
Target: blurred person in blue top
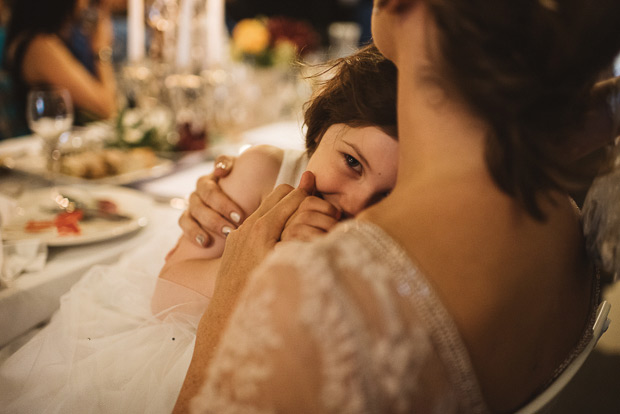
x=64, y=43
x=5, y=110
x=3, y=21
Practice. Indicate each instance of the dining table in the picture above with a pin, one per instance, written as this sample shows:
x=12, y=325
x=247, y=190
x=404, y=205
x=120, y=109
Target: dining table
x=30, y=299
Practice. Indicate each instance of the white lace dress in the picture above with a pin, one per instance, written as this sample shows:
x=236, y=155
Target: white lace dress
x=104, y=351
x=352, y=325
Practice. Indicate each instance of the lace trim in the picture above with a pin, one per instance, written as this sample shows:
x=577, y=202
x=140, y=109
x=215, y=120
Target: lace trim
x=408, y=280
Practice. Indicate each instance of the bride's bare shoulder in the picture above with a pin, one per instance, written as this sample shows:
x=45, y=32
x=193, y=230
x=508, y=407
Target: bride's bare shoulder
x=505, y=277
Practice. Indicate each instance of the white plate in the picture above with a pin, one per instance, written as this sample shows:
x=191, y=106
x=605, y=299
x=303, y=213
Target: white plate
x=36, y=205
x=24, y=154
x=35, y=164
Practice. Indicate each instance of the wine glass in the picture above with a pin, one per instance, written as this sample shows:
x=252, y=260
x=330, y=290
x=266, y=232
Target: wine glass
x=49, y=113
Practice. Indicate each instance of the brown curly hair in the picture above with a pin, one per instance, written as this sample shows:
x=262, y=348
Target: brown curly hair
x=361, y=92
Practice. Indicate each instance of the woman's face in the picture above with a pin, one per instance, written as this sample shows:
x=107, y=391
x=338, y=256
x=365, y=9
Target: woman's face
x=354, y=167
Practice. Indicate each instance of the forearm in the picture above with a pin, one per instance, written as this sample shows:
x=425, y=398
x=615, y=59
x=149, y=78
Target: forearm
x=209, y=332
x=189, y=266
x=195, y=274
x=106, y=108
x=246, y=249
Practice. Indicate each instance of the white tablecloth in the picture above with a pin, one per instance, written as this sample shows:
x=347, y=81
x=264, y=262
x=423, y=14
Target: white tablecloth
x=33, y=297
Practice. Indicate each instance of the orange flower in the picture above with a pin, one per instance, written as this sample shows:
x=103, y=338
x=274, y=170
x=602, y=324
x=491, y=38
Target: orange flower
x=251, y=36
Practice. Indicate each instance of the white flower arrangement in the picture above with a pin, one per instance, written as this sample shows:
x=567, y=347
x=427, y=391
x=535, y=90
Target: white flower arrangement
x=154, y=128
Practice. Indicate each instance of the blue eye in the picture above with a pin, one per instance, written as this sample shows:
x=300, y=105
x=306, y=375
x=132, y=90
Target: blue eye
x=353, y=163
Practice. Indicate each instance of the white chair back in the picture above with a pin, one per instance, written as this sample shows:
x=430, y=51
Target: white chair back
x=543, y=401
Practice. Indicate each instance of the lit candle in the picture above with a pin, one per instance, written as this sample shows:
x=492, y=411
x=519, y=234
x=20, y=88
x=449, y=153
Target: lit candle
x=215, y=30
x=184, y=30
x=135, y=30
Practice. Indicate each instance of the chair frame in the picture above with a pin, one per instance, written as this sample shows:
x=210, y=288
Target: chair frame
x=543, y=400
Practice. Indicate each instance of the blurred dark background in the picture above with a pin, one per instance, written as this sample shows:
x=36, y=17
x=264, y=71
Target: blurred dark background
x=319, y=13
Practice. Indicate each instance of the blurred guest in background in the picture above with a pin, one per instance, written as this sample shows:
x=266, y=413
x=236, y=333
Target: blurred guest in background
x=5, y=99
x=4, y=15
x=63, y=43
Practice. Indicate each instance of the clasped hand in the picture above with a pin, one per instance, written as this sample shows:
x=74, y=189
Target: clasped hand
x=247, y=246
x=286, y=214
x=212, y=214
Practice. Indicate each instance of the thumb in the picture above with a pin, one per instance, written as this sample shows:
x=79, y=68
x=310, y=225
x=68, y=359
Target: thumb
x=307, y=182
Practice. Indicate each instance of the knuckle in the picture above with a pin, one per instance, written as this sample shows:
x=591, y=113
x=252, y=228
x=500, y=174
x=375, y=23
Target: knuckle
x=286, y=235
x=193, y=199
x=203, y=183
x=207, y=190
x=305, y=216
x=181, y=220
x=284, y=188
x=260, y=226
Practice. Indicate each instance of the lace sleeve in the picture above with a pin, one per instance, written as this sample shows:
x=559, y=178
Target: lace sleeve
x=264, y=354
x=325, y=330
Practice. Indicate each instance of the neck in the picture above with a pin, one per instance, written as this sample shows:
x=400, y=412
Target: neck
x=439, y=137
x=441, y=142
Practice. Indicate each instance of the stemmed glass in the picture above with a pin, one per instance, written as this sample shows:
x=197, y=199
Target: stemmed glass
x=49, y=113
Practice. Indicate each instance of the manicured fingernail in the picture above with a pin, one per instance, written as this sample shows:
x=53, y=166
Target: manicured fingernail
x=220, y=165
x=200, y=239
x=236, y=217
x=226, y=230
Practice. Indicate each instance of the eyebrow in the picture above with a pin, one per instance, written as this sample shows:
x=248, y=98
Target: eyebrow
x=358, y=153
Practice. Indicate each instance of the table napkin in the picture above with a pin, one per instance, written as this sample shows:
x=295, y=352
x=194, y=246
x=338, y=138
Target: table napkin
x=18, y=256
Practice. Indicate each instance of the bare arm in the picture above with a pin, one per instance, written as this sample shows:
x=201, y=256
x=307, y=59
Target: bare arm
x=256, y=237
x=47, y=60
x=253, y=177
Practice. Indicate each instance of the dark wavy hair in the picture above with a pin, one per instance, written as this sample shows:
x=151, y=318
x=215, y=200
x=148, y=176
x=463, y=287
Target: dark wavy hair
x=32, y=17
x=361, y=92
x=526, y=67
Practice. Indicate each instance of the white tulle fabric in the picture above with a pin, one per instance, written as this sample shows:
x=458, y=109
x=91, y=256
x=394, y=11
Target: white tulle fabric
x=351, y=325
x=104, y=351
